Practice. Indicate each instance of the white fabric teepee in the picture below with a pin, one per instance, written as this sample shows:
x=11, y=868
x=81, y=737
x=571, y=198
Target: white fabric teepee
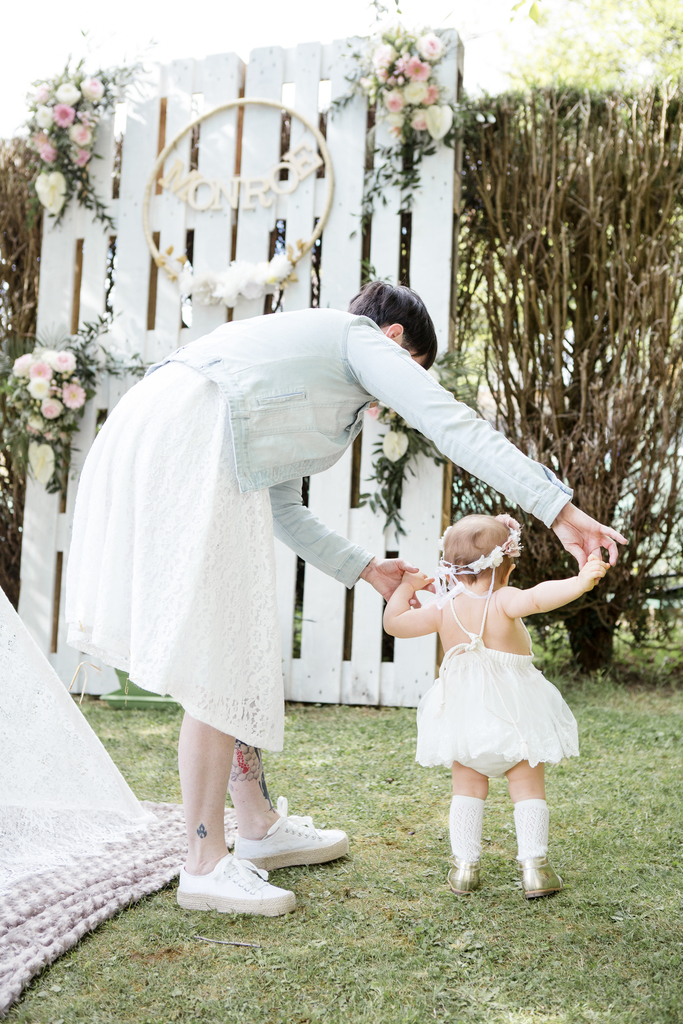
x=61, y=795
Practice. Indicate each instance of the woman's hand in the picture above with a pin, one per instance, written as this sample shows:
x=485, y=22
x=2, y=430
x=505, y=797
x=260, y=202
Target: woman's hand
x=387, y=574
x=581, y=536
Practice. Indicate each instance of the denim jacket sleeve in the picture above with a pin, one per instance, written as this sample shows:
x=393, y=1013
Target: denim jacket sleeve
x=388, y=372
x=299, y=529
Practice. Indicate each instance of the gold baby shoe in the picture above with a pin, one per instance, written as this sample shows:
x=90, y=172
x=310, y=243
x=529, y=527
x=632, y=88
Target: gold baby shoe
x=463, y=877
x=539, y=877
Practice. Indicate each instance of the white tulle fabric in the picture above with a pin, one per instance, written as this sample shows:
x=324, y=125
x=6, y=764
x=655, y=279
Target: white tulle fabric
x=489, y=710
x=465, y=825
x=532, y=825
x=171, y=570
x=61, y=795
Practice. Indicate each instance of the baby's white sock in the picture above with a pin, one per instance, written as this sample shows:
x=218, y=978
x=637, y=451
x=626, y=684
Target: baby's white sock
x=466, y=820
x=532, y=819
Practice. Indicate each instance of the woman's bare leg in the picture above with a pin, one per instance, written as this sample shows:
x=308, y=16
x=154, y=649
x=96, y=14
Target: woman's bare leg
x=249, y=792
x=204, y=761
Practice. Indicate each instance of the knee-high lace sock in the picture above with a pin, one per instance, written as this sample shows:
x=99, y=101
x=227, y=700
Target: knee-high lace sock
x=532, y=819
x=466, y=820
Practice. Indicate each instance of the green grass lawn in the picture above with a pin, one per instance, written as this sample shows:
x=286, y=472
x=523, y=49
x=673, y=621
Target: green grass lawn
x=378, y=937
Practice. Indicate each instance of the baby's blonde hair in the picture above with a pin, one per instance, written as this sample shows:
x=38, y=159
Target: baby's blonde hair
x=470, y=538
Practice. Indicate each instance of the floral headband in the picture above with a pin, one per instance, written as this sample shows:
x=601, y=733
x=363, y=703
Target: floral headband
x=446, y=581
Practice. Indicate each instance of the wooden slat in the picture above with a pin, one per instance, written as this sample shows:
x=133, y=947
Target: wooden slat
x=219, y=79
x=430, y=276
x=169, y=212
x=303, y=66
x=366, y=529
x=260, y=152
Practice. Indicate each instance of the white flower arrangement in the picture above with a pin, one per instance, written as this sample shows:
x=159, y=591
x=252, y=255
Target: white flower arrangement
x=241, y=280
x=64, y=114
x=398, y=75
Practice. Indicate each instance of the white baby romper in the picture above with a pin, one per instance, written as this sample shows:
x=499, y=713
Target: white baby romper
x=488, y=710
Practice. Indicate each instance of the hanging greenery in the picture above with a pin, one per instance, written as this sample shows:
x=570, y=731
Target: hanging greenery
x=395, y=454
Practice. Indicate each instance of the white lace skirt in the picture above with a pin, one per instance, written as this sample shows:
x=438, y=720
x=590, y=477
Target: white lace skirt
x=171, y=572
x=489, y=710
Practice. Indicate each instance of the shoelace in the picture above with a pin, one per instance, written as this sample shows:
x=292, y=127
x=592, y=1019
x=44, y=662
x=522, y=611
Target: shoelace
x=299, y=821
x=247, y=871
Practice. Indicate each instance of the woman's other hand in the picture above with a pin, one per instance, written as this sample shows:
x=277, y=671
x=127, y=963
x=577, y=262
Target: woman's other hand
x=580, y=535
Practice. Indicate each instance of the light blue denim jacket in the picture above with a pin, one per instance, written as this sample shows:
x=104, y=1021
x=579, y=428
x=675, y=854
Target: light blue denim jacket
x=297, y=385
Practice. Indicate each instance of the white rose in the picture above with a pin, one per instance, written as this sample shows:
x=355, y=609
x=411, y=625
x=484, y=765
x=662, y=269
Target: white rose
x=44, y=117
x=68, y=93
x=384, y=56
x=92, y=89
x=496, y=558
x=415, y=92
x=51, y=190
x=48, y=355
x=36, y=424
x=39, y=387
x=395, y=445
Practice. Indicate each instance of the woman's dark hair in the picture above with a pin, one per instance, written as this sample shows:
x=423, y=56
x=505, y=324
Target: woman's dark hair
x=396, y=304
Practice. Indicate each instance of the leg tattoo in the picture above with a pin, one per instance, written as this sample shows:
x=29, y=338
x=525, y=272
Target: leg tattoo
x=247, y=766
x=201, y=832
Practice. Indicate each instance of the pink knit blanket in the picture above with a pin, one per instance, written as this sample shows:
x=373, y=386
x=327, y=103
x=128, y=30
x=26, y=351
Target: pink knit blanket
x=44, y=915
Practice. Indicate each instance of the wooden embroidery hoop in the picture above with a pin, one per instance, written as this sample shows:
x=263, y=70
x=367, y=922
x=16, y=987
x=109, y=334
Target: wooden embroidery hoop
x=158, y=258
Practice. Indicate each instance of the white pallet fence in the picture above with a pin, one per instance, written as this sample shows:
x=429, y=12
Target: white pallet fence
x=163, y=103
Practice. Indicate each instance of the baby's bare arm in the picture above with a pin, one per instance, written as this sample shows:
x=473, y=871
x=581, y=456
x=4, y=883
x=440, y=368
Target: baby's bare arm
x=403, y=621
x=553, y=593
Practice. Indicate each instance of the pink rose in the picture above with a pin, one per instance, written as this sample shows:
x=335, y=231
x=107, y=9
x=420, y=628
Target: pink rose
x=40, y=369
x=63, y=115
x=430, y=46
x=39, y=139
x=432, y=95
x=73, y=396
x=82, y=158
x=47, y=152
x=41, y=94
x=51, y=408
x=418, y=122
x=415, y=69
x=382, y=75
x=394, y=101
x=81, y=134
x=373, y=411
x=65, y=362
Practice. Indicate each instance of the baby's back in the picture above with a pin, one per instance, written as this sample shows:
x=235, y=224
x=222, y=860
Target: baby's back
x=501, y=633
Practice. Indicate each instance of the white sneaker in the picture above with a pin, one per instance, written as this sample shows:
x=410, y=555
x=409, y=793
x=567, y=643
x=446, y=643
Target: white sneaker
x=293, y=840
x=234, y=886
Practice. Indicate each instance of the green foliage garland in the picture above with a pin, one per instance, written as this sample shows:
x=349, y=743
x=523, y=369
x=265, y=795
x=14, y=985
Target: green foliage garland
x=395, y=454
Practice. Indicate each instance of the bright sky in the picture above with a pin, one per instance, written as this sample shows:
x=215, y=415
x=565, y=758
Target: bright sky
x=38, y=37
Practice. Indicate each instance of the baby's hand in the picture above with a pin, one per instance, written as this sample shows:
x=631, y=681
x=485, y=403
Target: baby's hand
x=593, y=571
x=417, y=580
